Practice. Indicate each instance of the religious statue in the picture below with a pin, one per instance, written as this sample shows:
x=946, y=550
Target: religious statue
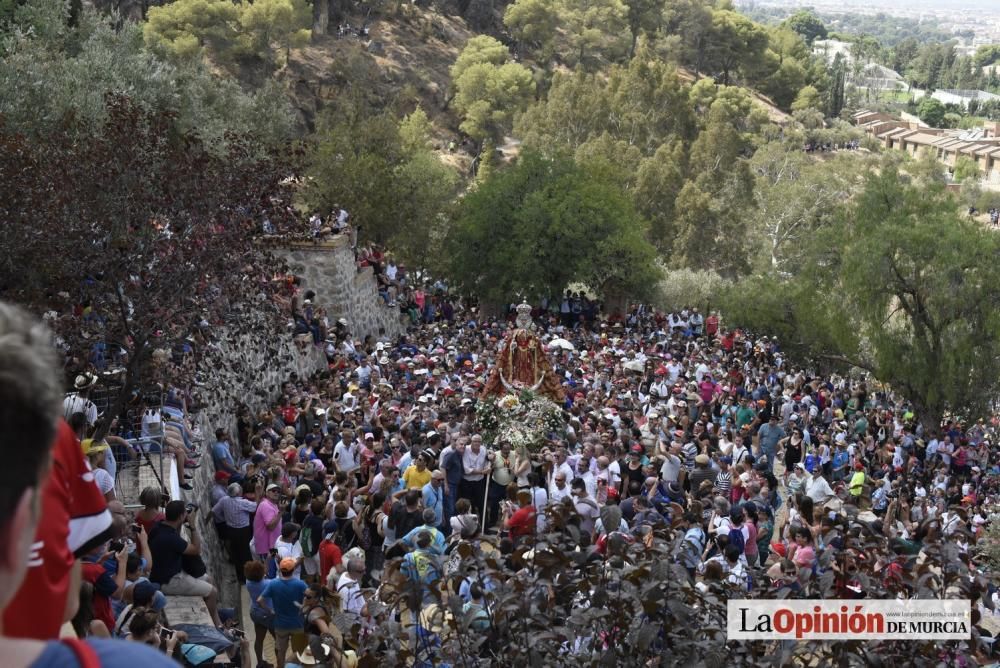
x=522, y=363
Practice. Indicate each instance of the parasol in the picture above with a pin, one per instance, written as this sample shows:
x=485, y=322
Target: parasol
x=561, y=343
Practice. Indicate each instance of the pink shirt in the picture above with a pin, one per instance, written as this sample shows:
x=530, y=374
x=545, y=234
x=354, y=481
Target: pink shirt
x=804, y=556
x=263, y=537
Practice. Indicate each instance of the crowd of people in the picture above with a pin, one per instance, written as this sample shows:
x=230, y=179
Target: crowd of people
x=773, y=474
x=760, y=476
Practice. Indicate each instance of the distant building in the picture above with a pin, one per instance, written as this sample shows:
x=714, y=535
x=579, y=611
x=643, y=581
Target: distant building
x=829, y=48
x=981, y=144
x=879, y=77
x=962, y=97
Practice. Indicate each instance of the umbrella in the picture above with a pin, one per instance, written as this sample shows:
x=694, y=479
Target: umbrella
x=561, y=343
x=634, y=365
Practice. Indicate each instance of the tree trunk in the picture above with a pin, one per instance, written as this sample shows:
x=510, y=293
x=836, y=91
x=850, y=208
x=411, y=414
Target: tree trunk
x=132, y=375
x=929, y=416
x=321, y=18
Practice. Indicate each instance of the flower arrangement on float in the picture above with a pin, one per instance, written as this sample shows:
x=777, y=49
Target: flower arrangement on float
x=525, y=420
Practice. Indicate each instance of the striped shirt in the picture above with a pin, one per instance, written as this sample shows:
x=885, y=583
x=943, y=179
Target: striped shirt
x=724, y=482
x=235, y=511
x=690, y=451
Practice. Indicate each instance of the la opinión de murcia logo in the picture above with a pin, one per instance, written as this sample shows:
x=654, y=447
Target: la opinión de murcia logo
x=849, y=619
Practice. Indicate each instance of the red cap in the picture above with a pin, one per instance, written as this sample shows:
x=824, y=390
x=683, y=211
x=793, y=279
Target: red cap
x=221, y=476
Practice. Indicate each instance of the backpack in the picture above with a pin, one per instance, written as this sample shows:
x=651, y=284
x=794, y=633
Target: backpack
x=305, y=540
x=736, y=538
x=364, y=536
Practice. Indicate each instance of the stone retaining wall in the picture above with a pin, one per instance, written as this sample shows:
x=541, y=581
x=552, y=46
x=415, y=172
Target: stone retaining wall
x=246, y=368
x=250, y=363
x=330, y=270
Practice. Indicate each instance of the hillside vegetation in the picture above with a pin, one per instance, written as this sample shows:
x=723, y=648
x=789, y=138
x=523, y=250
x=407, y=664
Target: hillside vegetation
x=402, y=107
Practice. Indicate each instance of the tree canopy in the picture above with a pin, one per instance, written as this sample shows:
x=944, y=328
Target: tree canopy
x=384, y=170
x=140, y=222
x=489, y=88
x=807, y=24
x=543, y=223
x=904, y=287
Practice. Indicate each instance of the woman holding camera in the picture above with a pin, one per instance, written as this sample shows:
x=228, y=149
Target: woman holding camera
x=145, y=628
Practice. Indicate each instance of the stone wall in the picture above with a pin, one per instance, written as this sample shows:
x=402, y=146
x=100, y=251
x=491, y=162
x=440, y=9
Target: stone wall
x=329, y=269
x=249, y=363
x=247, y=368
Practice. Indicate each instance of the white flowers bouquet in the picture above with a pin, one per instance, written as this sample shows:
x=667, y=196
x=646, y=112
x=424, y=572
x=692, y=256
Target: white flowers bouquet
x=526, y=420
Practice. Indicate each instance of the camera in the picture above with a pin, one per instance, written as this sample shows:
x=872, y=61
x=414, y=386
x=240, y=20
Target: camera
x=166, y=634
x=237, y=633
x=116, y=546
x=191, y=508
x=136, y=529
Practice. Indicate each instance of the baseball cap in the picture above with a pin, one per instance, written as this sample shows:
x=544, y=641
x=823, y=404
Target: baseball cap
x=287, y=565
x=148, y=594
x=272, y=486
x=89, y=446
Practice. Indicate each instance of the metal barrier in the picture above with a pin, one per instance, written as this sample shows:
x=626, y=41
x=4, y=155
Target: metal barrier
x=145, y=463
x=145, y=466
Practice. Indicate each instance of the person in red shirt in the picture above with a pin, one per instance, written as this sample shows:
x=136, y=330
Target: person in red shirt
x=712, y=324
x=31, y=398
x=74, y=519
x=522, y=521
x=330, y=555
x=106, y=585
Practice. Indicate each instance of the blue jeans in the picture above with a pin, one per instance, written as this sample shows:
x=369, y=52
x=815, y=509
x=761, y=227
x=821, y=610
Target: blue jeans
x=448, y=510
x=770, y=453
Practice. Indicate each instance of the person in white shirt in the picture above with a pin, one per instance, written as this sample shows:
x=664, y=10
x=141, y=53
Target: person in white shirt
x=349, y=587
x=560, y=465
x=347, y=452
x=79, y=401
x=559, y=489
x=671, y=469
x=817, y=488
x=585, y=506
x=288, y=546
x=364, y=372
x=584, y=473
x=605, y=472
x=700, y=372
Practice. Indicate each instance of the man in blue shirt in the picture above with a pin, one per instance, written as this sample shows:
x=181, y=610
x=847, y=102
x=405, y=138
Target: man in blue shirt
x=437, y=544
x=221, y=454
x=453, y=472
x=433, y=493
x=841, y=460
x=769, y=435
x=284, y=596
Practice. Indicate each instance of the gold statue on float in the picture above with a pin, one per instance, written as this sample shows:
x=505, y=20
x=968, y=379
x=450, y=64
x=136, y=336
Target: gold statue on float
x=522, y=363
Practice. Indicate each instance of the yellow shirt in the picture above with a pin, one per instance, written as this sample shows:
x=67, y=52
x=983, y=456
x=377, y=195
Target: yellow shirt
x=415, y=479
x=857, y=483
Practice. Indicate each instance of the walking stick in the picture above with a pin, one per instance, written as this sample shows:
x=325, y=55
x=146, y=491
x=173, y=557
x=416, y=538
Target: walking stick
x=486, y=494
